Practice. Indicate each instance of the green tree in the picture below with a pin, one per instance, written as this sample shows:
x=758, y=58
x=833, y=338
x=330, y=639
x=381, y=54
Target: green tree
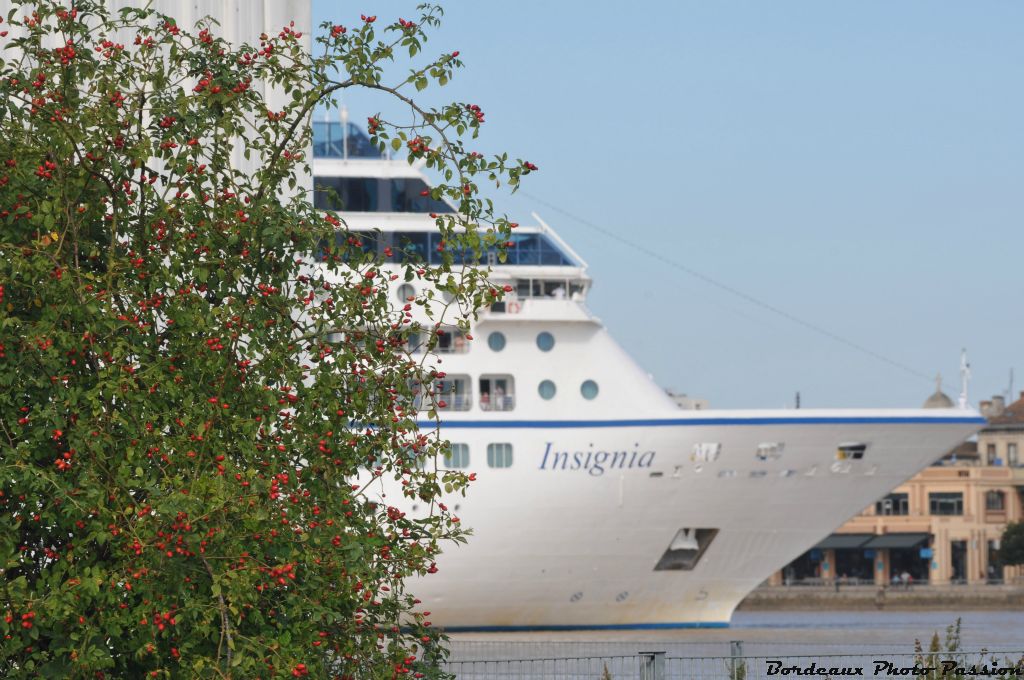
x=191, y=409
x=1011, y=546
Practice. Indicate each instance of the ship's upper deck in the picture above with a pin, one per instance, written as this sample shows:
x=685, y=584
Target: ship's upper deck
x=388, y=203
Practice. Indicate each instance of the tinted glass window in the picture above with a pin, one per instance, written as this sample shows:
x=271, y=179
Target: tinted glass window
x=331, y=141
x=533, y=249
x=407, y=196
x=354, y=194
x=946, y=503
x=367, y=241
x=411, y=246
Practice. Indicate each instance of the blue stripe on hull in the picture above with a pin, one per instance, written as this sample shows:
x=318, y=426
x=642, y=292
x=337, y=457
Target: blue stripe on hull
x=677, y=422
x=612, y=626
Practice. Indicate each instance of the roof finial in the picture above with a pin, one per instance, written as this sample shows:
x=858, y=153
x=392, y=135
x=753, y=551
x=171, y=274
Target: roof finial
x=965, y=376
x=938, y=382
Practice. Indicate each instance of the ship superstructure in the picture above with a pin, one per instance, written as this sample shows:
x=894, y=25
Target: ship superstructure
x=599, y=502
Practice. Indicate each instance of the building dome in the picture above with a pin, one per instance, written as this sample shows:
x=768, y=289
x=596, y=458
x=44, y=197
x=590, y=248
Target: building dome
x=938, y=398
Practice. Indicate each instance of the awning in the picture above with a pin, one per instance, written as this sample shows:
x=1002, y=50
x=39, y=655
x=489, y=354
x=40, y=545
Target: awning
x=840, y=541
x=897, y=541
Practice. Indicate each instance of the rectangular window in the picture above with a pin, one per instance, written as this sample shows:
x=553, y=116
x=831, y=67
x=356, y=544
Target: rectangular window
x=1011, y=455
x=995, y=501
x=497, y=393
x=499, y=455
x=946, y=503
x=451, y=341
x=413, y=344
x=351, y=194
x=450, y=394
x=457, y=457
x=990, y=454
x=893, y=504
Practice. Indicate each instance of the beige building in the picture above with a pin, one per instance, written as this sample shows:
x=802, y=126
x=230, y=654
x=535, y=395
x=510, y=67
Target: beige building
x=944, y=525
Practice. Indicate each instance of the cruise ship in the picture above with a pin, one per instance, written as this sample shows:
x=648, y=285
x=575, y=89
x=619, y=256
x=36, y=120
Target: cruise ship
x=599, y=502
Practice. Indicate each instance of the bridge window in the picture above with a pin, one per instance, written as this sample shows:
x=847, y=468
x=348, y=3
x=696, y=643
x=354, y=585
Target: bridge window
x=330, y=140
x=457, y=457
x=499, y=455
x=407, y=196
x=533, y=249
x=349, y=194
x=497, y=393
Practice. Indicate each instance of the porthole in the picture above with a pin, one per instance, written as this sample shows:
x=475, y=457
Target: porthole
x=545, y=341
x=405, y=291
x=588, y=389
x=546, y=389
x=496, y=341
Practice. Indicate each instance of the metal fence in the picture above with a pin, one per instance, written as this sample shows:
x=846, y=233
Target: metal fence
x=659, y=665
x=462, y=649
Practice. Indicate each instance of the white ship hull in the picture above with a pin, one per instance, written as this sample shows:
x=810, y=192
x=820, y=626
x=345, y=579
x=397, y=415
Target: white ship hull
x=573, y=548
x=599, y=470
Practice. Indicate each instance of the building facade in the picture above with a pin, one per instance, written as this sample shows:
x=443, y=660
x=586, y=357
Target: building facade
x=943, y=526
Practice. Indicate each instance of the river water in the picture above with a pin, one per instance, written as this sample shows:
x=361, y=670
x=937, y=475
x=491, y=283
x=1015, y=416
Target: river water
x=763, y=634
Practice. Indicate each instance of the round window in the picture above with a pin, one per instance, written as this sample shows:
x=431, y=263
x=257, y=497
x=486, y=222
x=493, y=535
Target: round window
x=405, y=291
x=588, y=389
x=546, y=389
x=496, y=341
x=545, y=341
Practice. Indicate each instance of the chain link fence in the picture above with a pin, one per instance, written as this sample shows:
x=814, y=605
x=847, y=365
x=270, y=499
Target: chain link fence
x=739, y=664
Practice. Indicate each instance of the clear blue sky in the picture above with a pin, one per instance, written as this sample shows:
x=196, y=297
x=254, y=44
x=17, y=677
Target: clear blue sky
x=859, y=165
